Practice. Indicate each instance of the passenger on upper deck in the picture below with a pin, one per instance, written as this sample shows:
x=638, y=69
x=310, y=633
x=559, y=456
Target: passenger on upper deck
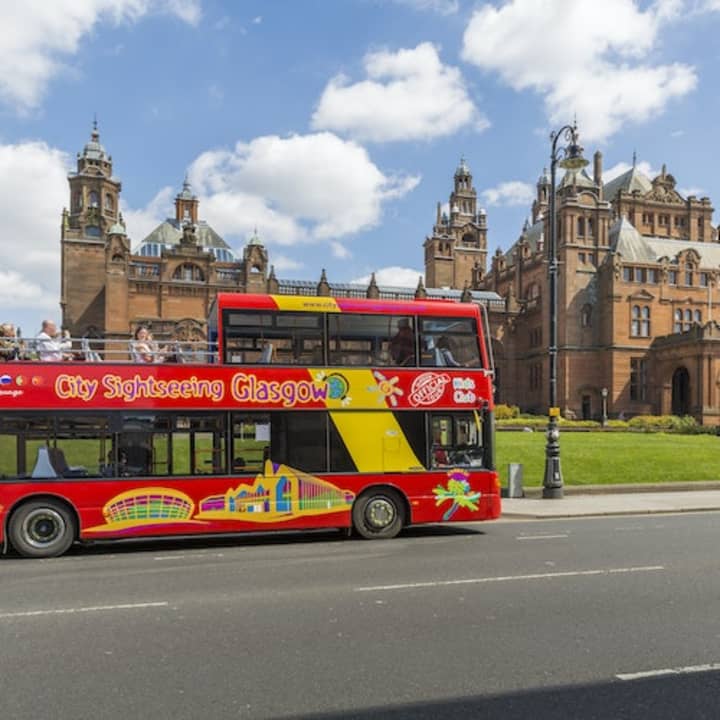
x=50, y=346
x=8, y=343
x=144, y=349
x=402, y=344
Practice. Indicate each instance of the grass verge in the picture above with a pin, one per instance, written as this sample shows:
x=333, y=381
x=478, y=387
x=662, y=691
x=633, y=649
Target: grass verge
x=596, y=458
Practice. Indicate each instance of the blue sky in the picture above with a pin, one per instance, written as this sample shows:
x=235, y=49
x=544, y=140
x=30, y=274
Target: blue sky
x=335, y=126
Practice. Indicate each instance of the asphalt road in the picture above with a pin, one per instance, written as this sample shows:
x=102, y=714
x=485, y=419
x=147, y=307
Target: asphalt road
x=587, y=618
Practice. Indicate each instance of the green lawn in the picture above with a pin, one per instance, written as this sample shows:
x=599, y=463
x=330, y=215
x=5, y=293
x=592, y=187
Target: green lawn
x=597, y=458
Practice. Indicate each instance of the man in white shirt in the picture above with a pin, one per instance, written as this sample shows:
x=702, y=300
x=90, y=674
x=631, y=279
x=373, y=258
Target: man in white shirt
x=49, y=348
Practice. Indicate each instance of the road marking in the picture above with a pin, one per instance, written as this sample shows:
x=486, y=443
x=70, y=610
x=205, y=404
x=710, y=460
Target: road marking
x=71, y=611
x=540, y=537
x=510, y=578
x=688, y=669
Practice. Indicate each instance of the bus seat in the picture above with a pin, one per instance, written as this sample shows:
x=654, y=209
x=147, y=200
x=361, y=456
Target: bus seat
x=267, y=353
x=62, y=469
x=43, y=467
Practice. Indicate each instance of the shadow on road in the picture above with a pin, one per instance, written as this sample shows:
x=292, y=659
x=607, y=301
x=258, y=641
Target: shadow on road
x=247, y=539
x=673, y=697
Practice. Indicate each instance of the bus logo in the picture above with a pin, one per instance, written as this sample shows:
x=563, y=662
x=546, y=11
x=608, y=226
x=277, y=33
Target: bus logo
x=428, y=388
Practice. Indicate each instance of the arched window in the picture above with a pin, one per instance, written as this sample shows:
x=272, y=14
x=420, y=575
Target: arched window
x=109, y=204
x=586, y=316
x=697, y=317
x=94, y=199
x=635, y=324
x=581, y=227
x=640, y=321
x=590, y=230
x=188, y=272
x=688, y=320
x=645, y=322
x=677, y=324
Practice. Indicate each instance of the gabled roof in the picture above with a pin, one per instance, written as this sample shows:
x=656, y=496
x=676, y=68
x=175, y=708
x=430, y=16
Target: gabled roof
x=629, y=181
x=634, y=247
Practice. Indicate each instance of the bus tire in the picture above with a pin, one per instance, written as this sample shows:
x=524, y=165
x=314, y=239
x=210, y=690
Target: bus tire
x=42, y=528
x=378, y=514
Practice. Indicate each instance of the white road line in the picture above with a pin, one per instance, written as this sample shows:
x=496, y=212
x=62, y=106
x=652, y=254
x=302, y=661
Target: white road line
x=688, y=669
x=540, y=537
x=71, y=611
x=509, y=578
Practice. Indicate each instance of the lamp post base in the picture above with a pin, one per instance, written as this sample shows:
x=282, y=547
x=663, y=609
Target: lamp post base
x=553, y=480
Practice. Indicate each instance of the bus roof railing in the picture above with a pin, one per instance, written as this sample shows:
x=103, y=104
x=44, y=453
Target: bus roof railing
x=113, y=350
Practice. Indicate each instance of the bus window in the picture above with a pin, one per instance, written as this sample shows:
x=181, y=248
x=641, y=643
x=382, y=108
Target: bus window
x=457, y=440
x=299, y=439
x=197, y=445
x=371, y=340
x=250, y=442
x=267, y=337
x=449, y=342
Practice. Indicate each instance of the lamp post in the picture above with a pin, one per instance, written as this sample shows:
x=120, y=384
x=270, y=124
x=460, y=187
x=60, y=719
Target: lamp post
x=569, y=157
x=604, y=393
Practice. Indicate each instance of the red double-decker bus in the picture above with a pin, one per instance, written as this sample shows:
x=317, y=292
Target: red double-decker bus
x=309, y=412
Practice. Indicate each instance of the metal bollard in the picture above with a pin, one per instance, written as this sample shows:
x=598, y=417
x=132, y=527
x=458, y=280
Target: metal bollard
x=515, y=480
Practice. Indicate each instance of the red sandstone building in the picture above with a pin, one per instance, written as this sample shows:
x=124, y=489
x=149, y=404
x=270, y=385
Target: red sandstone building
x=639, y=265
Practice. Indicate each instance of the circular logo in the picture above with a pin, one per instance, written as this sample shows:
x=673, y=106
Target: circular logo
x=428, y=388
x=337, y=386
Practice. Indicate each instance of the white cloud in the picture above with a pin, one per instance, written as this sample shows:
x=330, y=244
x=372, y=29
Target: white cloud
x=393, y=275
x=340, y=251
x=33, y=189
x=622, y=167
x=408, y=95
x=40, y=35
x=696, y=191
x=301, y=188
x=140, y=223
x=509, y=193
x=584, y=57
x=283, y=263
x=443, y=7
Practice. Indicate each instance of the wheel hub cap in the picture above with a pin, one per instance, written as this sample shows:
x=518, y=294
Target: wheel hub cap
x=380, y=513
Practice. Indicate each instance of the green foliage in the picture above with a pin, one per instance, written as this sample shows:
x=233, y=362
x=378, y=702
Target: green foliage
x=506, y=412
x=598, y=458
x=623, y=424
x=533, y=422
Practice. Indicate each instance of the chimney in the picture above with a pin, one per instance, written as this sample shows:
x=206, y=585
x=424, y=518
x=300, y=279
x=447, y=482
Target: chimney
x=597, y=172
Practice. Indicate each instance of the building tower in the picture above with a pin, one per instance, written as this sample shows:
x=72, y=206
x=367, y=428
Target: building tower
x=94, y=199
x=456, y=253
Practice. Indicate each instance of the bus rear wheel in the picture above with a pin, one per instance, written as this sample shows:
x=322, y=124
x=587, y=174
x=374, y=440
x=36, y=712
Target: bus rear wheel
x=378, y=514
x=42, y=529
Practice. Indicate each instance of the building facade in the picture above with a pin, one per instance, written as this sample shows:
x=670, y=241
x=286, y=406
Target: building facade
x=169, y=280
x=637, y=287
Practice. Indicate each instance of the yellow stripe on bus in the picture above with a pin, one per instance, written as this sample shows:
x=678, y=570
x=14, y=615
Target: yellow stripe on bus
x=375, y=441
x=308, y=304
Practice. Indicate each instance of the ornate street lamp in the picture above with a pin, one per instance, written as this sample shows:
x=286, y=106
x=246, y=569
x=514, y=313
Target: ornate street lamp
x=604, y=393
x=569, y=157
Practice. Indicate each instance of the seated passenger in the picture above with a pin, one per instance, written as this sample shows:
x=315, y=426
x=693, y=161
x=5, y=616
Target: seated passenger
x=8, y=343
x=50, y=346
x=402, y=344
x=444, y=346
x=144, y=348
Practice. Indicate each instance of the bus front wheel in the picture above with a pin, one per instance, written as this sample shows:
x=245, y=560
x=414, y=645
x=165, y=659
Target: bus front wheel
x=42, y=529
x=378, y=514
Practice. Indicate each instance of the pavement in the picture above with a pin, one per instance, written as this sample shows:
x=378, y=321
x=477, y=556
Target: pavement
x=582, y=501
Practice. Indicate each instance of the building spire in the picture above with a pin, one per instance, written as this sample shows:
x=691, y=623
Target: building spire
x=634, y=159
